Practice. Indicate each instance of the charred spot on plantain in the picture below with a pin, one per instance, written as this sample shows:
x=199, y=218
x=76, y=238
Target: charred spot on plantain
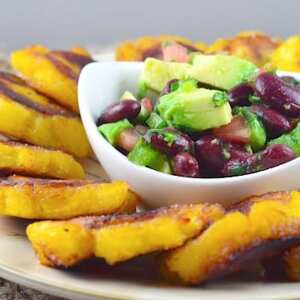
x=55, y=183
x=245, y=205
x=8, y=92
x=74, y=58
x=11, y=78
x=95, y=222
x=62, y=67
x=254, y=252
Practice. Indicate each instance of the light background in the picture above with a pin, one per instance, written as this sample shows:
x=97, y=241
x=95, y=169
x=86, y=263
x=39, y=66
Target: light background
x=62, y=23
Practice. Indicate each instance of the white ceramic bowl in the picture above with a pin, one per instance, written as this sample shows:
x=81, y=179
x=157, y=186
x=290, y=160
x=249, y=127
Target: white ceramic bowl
x=101, y=84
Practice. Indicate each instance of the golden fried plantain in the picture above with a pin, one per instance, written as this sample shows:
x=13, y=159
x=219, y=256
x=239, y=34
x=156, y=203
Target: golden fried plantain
x=18, y=85
x=287, y=56
x=120, y=237
x=80, y=50
x=24, y=116
x=54, y=73
x=33, y=198
x=17, y=158
x=254, y=46
x=150, y=46
x=258, y=227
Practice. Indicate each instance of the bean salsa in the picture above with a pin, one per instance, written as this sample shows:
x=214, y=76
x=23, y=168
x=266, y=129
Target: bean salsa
x=192, y=126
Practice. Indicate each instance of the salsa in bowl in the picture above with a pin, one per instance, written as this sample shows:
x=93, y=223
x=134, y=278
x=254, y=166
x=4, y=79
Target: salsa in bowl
x=200, y=120
x=101, y=84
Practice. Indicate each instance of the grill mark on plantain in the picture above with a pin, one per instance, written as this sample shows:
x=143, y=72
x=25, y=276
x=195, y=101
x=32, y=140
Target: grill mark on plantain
x=24, y=100
x=73, y=58
x=62, y=67
x=53, y=183
x=12, y=78
x=96, y=222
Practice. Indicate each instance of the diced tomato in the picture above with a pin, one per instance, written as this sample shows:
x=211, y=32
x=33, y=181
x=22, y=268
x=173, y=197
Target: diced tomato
x=147, y=103
x=236, y=131
x=175, y=52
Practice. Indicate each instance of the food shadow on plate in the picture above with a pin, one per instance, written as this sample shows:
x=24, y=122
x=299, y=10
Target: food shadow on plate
x=144, y=269
x=11, y=226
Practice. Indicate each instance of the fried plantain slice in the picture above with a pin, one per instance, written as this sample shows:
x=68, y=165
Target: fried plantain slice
x=120, y=237
x=256, y=228
x=150, y=46
x=33, y=198
x=287, y=56
x=19, y=86
x=38, y=123
x=54, y=73
x=23, y=159
x=254, y=46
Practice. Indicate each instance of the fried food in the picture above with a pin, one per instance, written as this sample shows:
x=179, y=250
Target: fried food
x=17, y=158
x=18, y=85
x=258, y=227
x=150, y=46
x=54, y=73
x=24, y=115
x=120, y=237
x=33, y=198
x=254, y=46
x=287, y=56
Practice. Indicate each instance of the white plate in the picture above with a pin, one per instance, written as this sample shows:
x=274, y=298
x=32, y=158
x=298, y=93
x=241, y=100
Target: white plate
x=130, y=281
x=93, y=280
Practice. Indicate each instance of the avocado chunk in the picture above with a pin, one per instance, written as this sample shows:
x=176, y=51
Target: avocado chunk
x=155, y=121
x=221, y=71
x=156, y=73
x=111, y=131
x=291, y=139
x=195, y=110
x=127, y=96
x=258, y=136
x=143, y=154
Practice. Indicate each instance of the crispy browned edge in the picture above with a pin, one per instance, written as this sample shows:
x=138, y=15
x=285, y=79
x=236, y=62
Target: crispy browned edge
x=53, y=183
x=95, y=222
x=244, y=206
x=254, y=252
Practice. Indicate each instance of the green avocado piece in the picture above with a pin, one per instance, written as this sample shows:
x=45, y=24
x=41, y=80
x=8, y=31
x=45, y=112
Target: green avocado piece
x=143, y=154
x=156, y=74
x=111, y=131
x=155, y=121
x=127, y=96
x=195, y=110
x=221, y=71
x=291, y=139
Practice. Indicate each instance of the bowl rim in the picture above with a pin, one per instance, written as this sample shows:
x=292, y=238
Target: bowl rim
x=90, y=124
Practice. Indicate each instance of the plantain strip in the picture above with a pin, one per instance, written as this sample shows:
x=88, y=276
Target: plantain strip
x=33, y=198
x=53, y=73
x=252, y=230
x=40, y=124
x=23, y=159
x=120, y=237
